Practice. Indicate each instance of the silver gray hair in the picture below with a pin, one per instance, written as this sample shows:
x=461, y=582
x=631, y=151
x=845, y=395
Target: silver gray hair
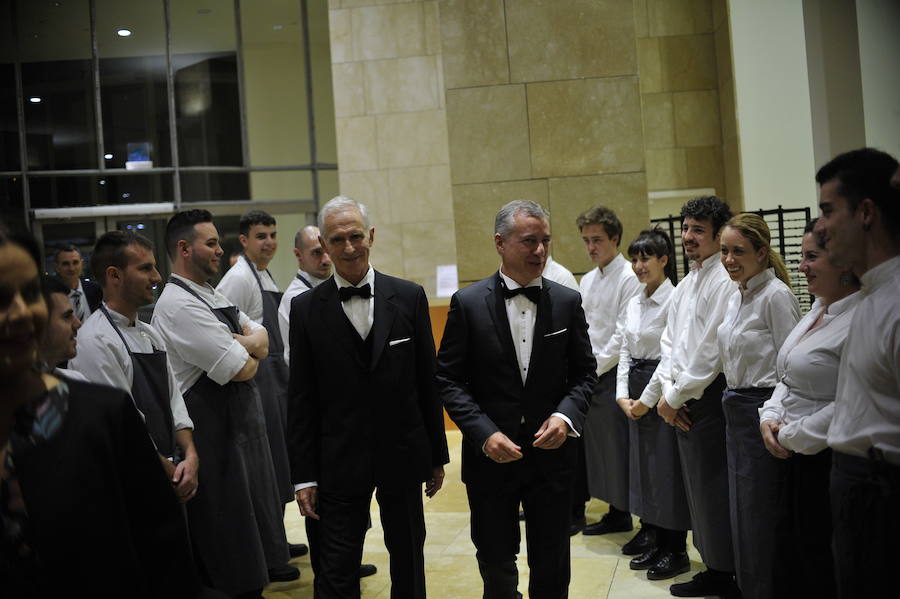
x=340, y=204
x=505, y=220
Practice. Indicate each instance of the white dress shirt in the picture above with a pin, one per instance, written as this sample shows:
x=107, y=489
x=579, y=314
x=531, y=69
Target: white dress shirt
x=284, y=308
x=604, y=295
x=640, y=329
x=689, y=354
x=757, y=321
x=558, y=273
x=803, y=400
x=361, y=312
x=867, y=402
x=103, y=358
x=239, y=285
x=197, y=342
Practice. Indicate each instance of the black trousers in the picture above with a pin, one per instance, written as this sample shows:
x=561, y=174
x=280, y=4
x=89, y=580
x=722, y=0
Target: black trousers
x=546, y=500
x=865, y=496
x=339, y=535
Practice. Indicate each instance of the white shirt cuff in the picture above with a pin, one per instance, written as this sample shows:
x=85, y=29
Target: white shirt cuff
x=299, y=486
x=229, y=364
x=572, y=432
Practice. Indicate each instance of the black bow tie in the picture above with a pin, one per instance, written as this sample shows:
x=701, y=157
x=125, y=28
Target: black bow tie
x=532, y=293
x=346, y=293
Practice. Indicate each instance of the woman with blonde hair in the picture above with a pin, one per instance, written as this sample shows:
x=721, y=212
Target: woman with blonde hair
x=757, y=321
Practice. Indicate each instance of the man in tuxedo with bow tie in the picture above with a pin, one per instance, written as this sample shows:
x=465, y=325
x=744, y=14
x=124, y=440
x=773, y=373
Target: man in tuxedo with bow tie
x=515, y=372
x=363, y=412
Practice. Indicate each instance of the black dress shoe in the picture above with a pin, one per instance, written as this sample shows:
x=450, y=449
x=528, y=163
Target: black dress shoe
x=367, y=570
x=607, y=525
x=297, y=549
x=283, y=574
x=645, y=560
x=577, y=525
x=641, y=543
x=669, y=565
x=703, y=584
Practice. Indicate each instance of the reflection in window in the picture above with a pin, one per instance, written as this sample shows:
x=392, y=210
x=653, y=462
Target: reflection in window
x=11, y=205
x=214, y=187
x=59, y=192
x=9, y=125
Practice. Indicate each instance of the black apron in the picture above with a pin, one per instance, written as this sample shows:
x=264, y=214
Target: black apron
x=705, y=469
x=755, y=480
x=606, y=445
x=236, y=517
x=150, y=391
x=272, y=381
x=657, y=485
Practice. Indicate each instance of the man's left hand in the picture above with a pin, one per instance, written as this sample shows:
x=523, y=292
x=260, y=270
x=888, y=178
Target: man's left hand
x=434, y=485
x=552, y=433
x=185, y=479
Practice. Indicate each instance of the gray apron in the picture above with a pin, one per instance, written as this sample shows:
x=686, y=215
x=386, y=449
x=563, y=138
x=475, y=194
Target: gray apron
x=272, y=381
x=150, y=392
x=657, y=484
x=705, y=469
x=755, y=480
x=236, y=517
x=606, y=445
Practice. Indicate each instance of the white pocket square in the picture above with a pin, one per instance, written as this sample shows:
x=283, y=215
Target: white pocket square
x=398, y=341
x=554, y=333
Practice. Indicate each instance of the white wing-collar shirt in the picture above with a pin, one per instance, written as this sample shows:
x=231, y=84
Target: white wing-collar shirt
x=103, y=358
x=604, y=296
x=867, y=402
x=360, y=311
x=640, y=328
x=197, y=342
x=689, y=354
x=239, y=285
x=808, y=361
x=757, y=321
x=296, y=287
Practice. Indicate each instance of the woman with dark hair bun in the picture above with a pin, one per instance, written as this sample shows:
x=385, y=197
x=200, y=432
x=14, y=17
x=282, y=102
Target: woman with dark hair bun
x=657, y=488
x=757, y=321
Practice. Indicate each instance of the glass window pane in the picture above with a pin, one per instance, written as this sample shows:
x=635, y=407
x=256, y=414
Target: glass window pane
x=61, y=192
x=275, y=83
x=133, y=83
x=81, y=234
x=12, y=204
x=323, y=94
x=281, y=185
x=9, y=124
x=214, y=187
x=204, y=62
x=55, y=49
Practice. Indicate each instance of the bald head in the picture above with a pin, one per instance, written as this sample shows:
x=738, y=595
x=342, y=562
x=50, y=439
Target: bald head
x=311, y=258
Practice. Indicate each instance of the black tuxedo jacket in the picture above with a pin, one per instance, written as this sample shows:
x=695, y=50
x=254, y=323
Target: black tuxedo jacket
x=93, y=293
x=479, y=381
x=353, y=425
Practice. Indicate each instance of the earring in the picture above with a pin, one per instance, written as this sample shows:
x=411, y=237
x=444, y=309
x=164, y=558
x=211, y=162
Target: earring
x=845, y=279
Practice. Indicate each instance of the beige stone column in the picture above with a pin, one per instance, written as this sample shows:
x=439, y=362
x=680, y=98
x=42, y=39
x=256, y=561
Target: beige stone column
x=543, y=103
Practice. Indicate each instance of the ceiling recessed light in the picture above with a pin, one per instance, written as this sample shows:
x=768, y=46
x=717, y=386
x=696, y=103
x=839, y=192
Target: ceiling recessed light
x=108, y=156
x=35, y=99
x=123, y=32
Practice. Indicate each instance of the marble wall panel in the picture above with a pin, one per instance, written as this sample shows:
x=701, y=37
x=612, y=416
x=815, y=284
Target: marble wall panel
x=704, y=168
x=412, y=139
x=626, y=194
x=585, y=126
x=488, y=129
x=341, y=36
x=666, y=169
x=732, y=166
x=350, y=89
x=425, y=246
x=474, y=210
x=420, y=193
x=357, y=147
x=659, y=121
x=370, y=188
x=567, y=39
x=688, y=62
x=650, y=65
x=679, y=17
x=402, y=84
x=387, y=250
x=388, y=31
x=641, y=25
x=473, y=43
x=697, y=118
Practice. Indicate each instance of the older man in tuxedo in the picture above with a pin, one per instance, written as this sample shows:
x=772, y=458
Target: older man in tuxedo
x=515, y=372
x=363, y=413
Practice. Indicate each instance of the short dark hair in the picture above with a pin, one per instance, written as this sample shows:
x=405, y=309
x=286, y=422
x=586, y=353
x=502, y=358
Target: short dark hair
x=654, y=242
x=68, y=247
x=254, y=217
x=181, y=226
x=866, y=173
x=601, y=215
x=708, y=208
x=110, y=251
x=51, y=285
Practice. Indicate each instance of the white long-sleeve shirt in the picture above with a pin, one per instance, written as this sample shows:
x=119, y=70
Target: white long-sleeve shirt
x=689, y=354
x=808, y=361
x=296, y=287
x=757, y=321
x=867, y=402
x=558, y=273
x=197, y=342
x=103, y=358
x=604, y=296
x=641, y=329
x=240, y=286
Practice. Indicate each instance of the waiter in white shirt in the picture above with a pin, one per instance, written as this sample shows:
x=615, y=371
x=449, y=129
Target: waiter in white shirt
x=859, y=201
x=556, y=272
x=687, y=389
x=605, y=293
x=214, y=350
x=117, y=349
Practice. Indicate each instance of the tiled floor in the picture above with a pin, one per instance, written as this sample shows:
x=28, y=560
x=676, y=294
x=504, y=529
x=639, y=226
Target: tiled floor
x=599, y=570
